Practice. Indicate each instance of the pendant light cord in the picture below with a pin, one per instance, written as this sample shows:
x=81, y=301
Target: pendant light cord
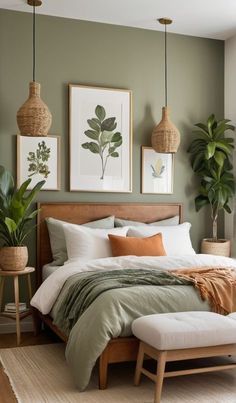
x=34, y=25
x=165, y=66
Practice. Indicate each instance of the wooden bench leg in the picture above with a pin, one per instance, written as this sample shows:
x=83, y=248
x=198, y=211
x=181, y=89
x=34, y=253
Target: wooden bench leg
x=139, y=364
x=103, y=367
x=160, y=375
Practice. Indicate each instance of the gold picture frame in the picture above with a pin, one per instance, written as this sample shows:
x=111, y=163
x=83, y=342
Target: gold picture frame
x=90, y=167
x=157, y=172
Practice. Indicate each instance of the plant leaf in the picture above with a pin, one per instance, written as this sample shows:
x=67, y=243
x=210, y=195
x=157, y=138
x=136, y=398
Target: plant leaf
x=210, y=150
x=105, y=137
x=93, y=147
x=220, y=158
x=116, y=137
x=92, y=134
x=115, y=154
x=94, y=125
x=201, y=201
x=108, y=124
x=11, y=225
x=100, y=112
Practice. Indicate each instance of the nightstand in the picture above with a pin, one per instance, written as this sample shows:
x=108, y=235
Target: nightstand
x=18, y=316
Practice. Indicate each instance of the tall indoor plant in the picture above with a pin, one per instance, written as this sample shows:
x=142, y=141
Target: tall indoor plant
x=16, y=216
x=211, y=153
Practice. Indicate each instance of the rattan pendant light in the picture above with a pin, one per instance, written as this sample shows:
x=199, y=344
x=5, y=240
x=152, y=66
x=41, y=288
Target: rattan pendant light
x=34, y=117
x=165, y=136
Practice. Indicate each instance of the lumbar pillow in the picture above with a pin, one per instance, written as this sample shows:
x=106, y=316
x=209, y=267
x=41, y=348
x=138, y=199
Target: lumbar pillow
x=176, y=238
x=87, y=243
x=149, y=246
x=119, y=222
x=57, y=236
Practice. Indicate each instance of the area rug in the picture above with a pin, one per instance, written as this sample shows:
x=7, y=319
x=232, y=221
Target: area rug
x=39, y=374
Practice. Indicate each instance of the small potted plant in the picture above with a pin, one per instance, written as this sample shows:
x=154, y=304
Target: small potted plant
x=211, y=154
x=15, y=218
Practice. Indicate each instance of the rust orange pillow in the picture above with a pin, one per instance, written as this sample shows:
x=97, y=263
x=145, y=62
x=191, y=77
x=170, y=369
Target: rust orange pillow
x=148, y=246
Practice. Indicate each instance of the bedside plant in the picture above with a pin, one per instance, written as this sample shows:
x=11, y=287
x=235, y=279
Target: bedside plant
x=15, y=219
x=211, y=154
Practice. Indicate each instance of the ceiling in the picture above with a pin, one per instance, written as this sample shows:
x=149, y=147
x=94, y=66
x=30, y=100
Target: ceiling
x=205, y=18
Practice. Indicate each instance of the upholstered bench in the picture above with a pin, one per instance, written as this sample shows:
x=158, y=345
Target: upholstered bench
x=182, y=336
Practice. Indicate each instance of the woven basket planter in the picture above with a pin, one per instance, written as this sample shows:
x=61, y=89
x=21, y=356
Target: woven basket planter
x=165, y=136
x=34, y=117
x=221, y=247
x=13, y=258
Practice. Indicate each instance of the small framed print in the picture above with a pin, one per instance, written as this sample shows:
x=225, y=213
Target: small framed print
x=157, y=172
x=38, y=158
x=100, y=139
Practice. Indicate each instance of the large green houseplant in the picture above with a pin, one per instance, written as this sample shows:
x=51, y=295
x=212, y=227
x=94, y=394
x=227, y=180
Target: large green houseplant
x=211, y=153
x=16, y=216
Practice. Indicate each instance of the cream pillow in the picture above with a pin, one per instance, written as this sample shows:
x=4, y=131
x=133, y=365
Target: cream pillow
x=176, y=238
x=85, y=243
x=120, y=222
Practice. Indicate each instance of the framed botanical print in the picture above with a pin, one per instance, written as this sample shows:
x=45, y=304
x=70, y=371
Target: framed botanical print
x=38, y=158
x=157, y=172
x=100, y=139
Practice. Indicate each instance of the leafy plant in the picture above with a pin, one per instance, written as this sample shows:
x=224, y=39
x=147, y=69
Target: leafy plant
x=211, y=154
x=15, y=213
x=37, y=160
x=106, y=140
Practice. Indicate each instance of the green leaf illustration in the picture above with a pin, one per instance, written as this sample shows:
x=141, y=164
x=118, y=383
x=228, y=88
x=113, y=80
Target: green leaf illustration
x=37, y=160
x=109, y=124
x=93, y=147
x=91, y=134
x=94, y=124
x=106, y=140
x=100, y=112
x=116, y=137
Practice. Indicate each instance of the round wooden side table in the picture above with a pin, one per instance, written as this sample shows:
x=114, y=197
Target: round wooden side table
x=17, y=316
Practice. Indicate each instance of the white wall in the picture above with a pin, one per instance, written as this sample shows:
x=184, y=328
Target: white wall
x=230, y=113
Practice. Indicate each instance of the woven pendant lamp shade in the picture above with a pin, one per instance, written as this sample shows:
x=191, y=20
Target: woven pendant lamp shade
x=165, y=136
x=34, y=117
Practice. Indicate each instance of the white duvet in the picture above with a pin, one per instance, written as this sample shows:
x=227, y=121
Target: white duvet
x=46, y=295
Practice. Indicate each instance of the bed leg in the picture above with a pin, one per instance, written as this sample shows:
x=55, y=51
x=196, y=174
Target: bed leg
x=103, y=367
x=37, y=322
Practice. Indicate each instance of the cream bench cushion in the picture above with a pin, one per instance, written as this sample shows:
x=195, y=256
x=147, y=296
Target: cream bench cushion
x=181, y=330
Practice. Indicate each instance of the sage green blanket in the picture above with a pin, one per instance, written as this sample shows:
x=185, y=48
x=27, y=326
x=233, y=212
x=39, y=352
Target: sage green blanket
x=84, y=289
x=94, y=307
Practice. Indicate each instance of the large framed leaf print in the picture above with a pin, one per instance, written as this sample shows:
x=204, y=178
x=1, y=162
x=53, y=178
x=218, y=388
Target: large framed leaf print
x=100, y=139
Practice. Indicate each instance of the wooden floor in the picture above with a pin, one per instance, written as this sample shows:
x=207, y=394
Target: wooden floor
x=9, y=341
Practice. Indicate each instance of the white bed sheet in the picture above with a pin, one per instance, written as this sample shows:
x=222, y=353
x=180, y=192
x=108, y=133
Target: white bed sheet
x=48, y=292
x=47, y=270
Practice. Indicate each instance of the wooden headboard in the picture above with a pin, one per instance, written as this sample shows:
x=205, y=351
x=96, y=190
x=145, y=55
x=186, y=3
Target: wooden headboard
x=80, y=213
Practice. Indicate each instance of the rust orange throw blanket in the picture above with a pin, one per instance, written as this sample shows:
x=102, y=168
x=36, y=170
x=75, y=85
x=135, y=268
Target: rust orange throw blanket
x=217, y=285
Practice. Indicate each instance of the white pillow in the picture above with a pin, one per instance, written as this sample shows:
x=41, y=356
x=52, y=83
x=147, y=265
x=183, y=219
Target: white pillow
x=176, y=238
x=85, y=243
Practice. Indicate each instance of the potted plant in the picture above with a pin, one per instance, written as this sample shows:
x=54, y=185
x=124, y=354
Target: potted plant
x=211, y=154
x=15, y=218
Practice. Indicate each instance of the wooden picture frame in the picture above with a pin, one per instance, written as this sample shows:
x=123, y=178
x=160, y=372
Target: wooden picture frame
x=100, y=136
x=38, y=158
x=157, y=172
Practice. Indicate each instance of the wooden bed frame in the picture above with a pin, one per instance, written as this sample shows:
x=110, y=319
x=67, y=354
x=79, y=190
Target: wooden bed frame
x=118, y=349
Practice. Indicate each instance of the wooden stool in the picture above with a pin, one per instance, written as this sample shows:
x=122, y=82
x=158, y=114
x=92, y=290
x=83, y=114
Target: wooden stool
x=18, y=316
x=183, y=336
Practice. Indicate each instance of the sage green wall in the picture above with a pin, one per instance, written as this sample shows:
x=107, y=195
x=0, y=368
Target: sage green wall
x=70, y=51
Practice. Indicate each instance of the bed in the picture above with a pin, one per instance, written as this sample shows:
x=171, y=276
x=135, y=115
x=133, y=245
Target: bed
x=118, y=349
